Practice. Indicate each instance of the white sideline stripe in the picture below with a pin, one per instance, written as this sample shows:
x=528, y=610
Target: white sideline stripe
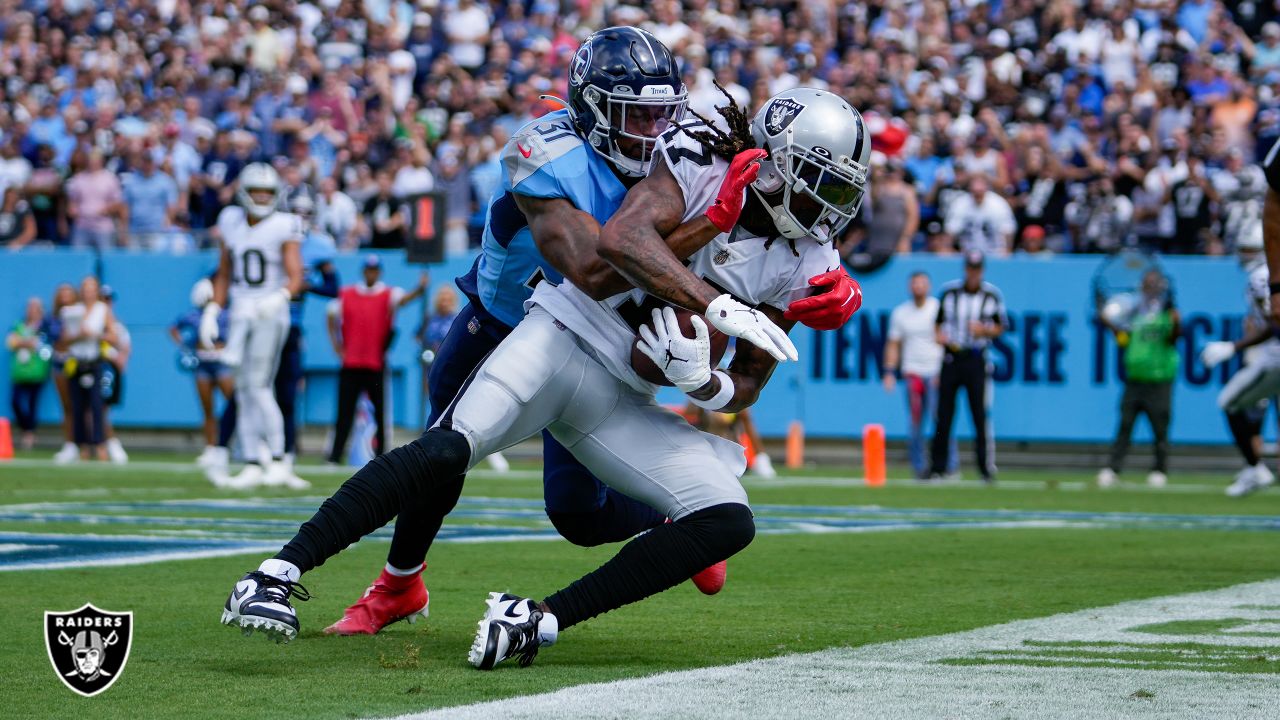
x=904, y=679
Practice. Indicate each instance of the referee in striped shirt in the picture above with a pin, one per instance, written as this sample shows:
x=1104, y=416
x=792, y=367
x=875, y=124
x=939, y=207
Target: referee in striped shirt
x=970, y=314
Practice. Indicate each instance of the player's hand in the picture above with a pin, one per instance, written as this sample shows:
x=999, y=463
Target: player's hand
x=743, y=169
x=733, y=318
x=272, y=304
x=1216, y=353
x=890, y=382
x=685, y=361
x=209, y=324
x=831, y=308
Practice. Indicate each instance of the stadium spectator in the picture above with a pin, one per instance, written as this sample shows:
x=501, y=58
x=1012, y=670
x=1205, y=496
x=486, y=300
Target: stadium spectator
x=17, y=224
x=433, y=329
x=151, y=200
x=1148, y=335
x=86, y=326
x=28, y=343
x=971, y=314
x=360, y=328
x=981, y=220
x=384, y=216
x=117, y=346
x=94, y=199
x=336, y=214
x=63, y=296
x=913, y=354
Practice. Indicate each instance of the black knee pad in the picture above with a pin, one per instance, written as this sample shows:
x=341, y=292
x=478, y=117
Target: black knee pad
x=445, y=452
x=724, y=529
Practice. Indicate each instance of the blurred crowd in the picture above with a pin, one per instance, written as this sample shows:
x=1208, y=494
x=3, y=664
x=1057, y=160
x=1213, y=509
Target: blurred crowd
x=1008, y=125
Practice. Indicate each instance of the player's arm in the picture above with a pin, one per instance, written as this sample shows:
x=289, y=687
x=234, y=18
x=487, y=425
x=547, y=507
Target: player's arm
x=328, y=280
x=632, y=242
x=222, y=277
x=423, y=281
x=570, y=239
x=1271, y=227
x=747, y=373
x=291, y=256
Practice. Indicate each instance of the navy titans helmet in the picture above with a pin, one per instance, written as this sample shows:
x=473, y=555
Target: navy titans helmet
x=624, y=91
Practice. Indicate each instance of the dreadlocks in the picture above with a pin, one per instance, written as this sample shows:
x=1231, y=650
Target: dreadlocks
x=728, y=144
x=719, y=142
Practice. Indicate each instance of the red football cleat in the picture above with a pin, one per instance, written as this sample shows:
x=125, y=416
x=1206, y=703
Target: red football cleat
x=389, y=599
x=710, y=581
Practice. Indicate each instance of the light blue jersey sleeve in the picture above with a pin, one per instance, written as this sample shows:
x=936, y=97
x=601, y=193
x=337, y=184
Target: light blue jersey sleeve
x=544, y=159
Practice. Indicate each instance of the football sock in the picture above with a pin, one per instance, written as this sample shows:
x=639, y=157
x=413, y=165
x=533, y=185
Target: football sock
x=398, y=572
x=280, y=569
x=418, y=525
x=430, y=466
x=658, y=560
x=1243, y=428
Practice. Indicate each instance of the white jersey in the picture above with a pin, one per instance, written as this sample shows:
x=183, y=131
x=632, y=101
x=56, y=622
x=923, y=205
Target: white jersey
x=257, y=253
x=1258, y=297
x=737, y=263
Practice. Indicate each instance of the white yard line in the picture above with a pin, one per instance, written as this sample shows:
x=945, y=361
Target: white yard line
x=913, y=678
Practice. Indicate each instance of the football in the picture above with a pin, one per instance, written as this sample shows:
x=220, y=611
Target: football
x=649, y=372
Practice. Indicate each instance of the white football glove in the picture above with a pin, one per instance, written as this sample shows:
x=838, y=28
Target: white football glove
x=733, y=318
x=209, y=324
x=1216, y=353
x=685, y=361
x=271, y=305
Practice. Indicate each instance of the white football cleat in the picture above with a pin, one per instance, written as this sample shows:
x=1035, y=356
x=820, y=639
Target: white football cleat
x=250, y=477
x=67, y=455
x=1107, y=478
x=116, y=453
x=498, y=462
x=261, y=602
x=278, y=474
x=762, y=466
x=1250, y=479
x=1157, y=479
x=208, y=457
x=511, y=626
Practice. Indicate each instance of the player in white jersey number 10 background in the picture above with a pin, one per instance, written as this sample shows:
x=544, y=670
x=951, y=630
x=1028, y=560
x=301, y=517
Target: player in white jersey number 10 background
x=259, y=272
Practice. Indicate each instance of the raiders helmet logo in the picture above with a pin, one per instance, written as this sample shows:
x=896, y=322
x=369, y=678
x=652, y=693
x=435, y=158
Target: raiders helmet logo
x=88, y=647
x=581, y=61
x=780, y=114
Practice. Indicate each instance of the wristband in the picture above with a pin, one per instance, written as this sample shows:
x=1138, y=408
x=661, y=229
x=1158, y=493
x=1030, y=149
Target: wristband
x=1275, y=288
x=720, y=399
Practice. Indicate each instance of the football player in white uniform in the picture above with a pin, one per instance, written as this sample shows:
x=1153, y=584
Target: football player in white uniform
x=260, y=270
x=567, y=367
x=1244, y=398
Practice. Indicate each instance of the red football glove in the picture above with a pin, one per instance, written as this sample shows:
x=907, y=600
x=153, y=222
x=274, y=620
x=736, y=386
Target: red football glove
x=831, y=308
x=724, y=212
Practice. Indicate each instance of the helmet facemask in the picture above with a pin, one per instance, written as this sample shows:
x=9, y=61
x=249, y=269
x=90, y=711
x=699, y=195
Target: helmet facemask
x=638, y=118
x=820, y=194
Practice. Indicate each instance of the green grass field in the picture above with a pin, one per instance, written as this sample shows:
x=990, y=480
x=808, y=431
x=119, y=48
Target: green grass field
x=836, y=564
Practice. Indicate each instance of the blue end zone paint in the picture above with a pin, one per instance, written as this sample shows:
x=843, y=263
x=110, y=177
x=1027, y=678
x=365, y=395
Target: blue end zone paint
x=190, y=529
